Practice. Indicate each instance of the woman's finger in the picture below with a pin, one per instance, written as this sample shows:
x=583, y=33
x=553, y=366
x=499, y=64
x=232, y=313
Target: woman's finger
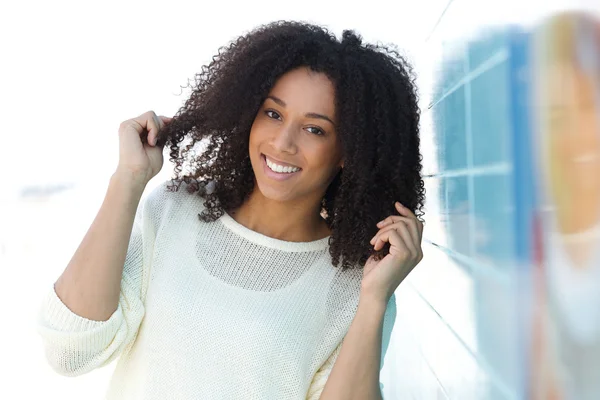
x=413, y=224
x=410, y=240
x=400, y=242
x=379, y=232
x=407, y=235
x=405, y=211
x=399, y=220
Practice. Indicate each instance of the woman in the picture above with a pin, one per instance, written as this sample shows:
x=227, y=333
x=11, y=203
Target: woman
x=568, y=137
x=283, y=287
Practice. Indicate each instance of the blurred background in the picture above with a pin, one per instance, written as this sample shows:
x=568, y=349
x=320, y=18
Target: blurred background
x=506, y=302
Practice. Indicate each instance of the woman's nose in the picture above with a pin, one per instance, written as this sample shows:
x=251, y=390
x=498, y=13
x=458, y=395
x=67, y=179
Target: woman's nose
x=284, y=140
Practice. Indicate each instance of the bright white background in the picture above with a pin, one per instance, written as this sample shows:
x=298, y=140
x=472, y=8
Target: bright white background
x=70, y=73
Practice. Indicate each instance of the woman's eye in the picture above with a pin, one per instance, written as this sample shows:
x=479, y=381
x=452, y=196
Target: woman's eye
x=318, y=131
x=271, y=111
x=274, y=115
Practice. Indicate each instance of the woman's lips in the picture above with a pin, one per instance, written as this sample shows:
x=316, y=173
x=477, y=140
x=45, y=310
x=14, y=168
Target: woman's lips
x=283, y=164
x=586, y=158
x=279, y=176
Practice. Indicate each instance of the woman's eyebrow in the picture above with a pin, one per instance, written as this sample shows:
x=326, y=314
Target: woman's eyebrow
x=309, y=115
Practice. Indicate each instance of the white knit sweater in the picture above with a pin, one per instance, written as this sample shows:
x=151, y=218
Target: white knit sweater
x=211, y=311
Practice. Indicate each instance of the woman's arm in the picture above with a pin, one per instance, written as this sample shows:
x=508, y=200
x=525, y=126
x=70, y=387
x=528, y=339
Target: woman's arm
x=75, y=344
x=91, y=282
x=355, y=373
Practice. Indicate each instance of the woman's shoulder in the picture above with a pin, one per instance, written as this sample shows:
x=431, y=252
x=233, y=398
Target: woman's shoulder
x=170, y=196
x=346, y=285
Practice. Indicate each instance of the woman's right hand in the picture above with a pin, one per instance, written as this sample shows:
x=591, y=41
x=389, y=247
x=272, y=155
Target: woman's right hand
x=141, y=159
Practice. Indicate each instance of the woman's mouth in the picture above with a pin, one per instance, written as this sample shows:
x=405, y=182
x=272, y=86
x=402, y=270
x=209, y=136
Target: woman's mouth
x=585, y=158
x=278, y=172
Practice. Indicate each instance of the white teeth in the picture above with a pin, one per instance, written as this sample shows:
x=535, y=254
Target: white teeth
x=586, y=158
x=280, y=168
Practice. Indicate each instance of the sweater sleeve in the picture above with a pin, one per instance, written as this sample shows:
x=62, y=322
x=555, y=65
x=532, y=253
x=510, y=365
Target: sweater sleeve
x=318, y=383
x=75, y=345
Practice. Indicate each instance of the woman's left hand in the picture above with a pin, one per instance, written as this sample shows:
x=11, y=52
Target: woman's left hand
x=404, y=233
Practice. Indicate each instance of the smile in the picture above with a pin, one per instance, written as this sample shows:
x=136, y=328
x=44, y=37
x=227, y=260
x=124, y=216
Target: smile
x=586, y=158
x=277, y=171
x=285, y=168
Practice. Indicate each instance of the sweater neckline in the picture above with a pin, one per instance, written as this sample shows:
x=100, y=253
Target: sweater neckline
x=267, y=241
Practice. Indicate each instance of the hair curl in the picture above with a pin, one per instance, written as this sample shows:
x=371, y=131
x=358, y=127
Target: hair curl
x=378, y=124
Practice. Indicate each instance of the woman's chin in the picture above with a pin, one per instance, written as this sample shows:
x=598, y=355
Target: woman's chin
x=274, y=193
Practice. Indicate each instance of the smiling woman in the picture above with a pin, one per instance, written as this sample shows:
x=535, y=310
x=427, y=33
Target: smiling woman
x=345, y=113
x=269, y=276
x=295, y=152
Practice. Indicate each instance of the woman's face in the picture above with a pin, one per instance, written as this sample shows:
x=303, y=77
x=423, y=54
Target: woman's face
x=295, y=129
x=574, y=137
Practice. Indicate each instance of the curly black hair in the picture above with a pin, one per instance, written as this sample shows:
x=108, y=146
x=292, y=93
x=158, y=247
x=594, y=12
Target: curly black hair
x=375, y=104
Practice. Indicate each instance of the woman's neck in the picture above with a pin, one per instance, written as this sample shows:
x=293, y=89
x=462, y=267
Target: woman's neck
x=298, y=222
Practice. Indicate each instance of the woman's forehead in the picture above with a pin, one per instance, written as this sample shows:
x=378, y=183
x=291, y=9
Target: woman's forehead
x=305, y=90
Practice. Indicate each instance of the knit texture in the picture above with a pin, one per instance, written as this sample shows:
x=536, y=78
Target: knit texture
x=211, y=311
